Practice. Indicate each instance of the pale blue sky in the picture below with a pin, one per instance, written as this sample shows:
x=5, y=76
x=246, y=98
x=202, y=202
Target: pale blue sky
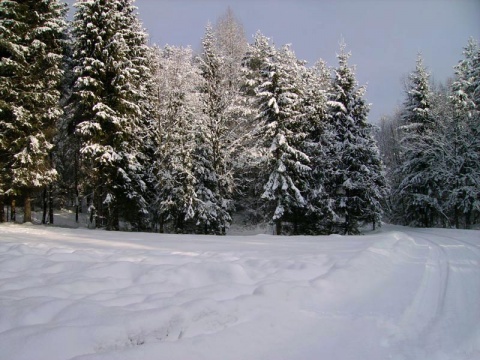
x=384, y=36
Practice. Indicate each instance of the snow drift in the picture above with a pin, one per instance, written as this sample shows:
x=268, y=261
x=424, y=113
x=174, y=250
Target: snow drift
x=83, y=294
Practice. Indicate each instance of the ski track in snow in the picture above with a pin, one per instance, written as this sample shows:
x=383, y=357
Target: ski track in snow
x=442, y=273
x=81, y=294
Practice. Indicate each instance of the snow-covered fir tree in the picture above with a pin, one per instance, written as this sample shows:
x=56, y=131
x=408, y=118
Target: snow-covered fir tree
x=248, y=159
x=431, y=148
x=442, y=147
x=214, y=171
x=110, y=109
x=356, y=182
x=463, y=183
x=231, y=45
x=177, y=111
x=67, y=146
x=279, y=133
x=31, y=54
x=417, y=195
x=319, y=137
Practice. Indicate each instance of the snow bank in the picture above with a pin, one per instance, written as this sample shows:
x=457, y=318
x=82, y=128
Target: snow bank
x=84, y=294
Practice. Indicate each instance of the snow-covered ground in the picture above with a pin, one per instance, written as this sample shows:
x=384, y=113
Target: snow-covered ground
x=83, y=294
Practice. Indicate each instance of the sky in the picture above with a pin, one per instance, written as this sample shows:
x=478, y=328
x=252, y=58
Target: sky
x=384, y=36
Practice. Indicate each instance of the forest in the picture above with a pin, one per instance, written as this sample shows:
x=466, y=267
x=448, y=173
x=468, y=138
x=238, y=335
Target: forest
x=96, y=120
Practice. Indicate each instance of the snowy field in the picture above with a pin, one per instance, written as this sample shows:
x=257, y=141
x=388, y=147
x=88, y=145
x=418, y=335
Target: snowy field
x=83, y=294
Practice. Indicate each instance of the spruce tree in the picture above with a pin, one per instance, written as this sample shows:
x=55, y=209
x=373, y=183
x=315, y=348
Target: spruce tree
x=356, y=183
x=66, y=154
x=248, y=165
x=418, y=193
x=110, y=108
x=318, y=140
x=463, y=183
x=214, y=173
x=31, y=54
x=279, y=133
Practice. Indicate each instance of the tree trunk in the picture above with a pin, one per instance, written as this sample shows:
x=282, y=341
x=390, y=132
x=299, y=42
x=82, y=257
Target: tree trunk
x=347, y=223
x=116, y=217
x=100, y=208
x=457, y=218
x=278, y=227
x=347, y=215
x=27, y=207
x=2, y=210
x=468, y=219
x=92, y=211
x=50, y=204
x=92, y=217
x=44, y=199
x=112, y=222
x=161, y=223
x=13, y=211
x=77, y=204
x=180, y=224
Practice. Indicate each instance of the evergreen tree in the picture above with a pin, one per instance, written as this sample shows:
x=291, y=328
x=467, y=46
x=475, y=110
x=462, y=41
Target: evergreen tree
x=356, y=183
x=463, y=182
x=248, y=164
x=418, y=193
x=317, y=143
x=31, y=53
x=214, y=172
x=178, y=105
x=110, y=108
x=67, y=147
x=432, y=149
x=280, y=133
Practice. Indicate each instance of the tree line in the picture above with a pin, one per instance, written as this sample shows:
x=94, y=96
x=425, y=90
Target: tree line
x=431, y=147
x=163, y=139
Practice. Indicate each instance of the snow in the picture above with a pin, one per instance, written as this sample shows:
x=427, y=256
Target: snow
x=82, y=294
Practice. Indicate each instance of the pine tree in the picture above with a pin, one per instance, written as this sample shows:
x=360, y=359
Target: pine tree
x=31, y=52
x=279, y=134
x=418, y=193
x=110, y=102
x=356, y=183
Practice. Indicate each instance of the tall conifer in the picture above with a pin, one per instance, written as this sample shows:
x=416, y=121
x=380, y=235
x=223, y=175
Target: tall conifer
x=417, y=194
x=111, y=108
x=31, y=54
x=280, y=132
x=463, y=184
x=356, y=182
